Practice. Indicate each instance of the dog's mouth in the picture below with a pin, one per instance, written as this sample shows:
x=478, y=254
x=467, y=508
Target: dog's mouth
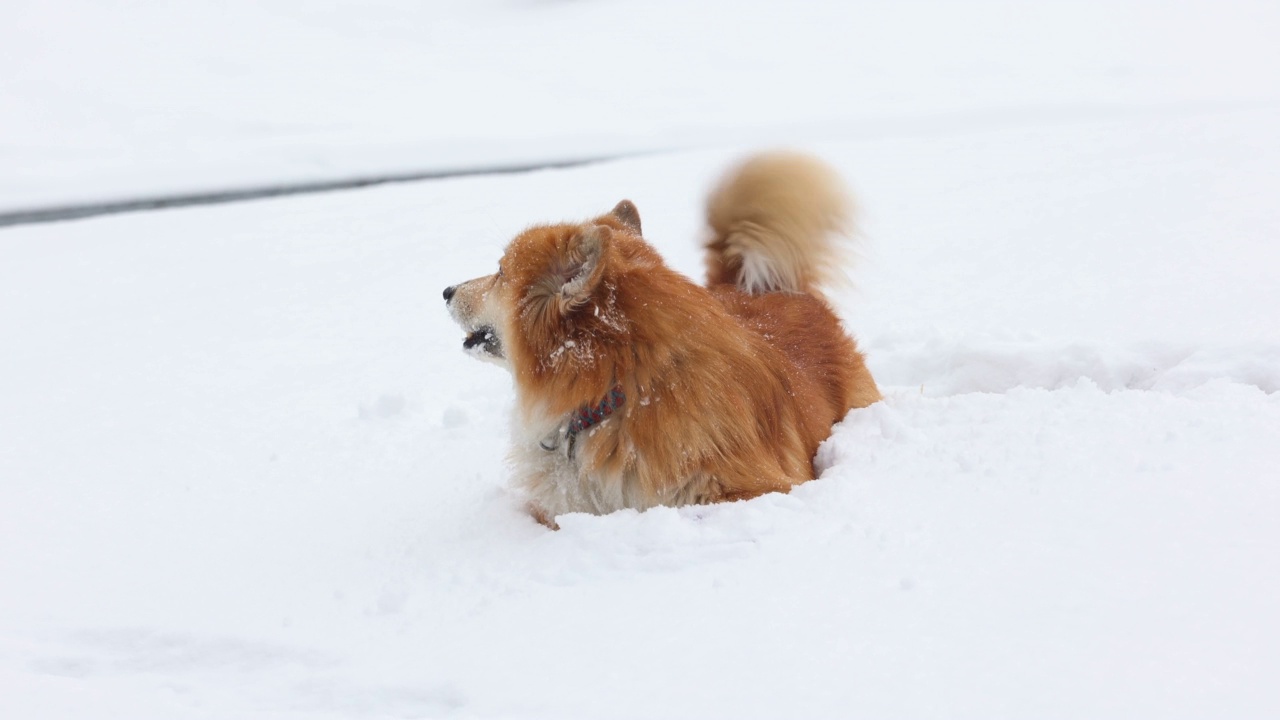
x=483, y=341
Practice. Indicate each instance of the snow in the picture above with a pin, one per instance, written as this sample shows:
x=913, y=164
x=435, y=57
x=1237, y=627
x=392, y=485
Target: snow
x=246, y=469
x=102, y=102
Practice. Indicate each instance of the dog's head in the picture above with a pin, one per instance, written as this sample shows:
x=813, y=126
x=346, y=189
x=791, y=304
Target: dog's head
x=546, y=279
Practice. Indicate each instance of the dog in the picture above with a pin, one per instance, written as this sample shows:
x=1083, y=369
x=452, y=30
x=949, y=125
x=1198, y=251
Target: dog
x=635, y=386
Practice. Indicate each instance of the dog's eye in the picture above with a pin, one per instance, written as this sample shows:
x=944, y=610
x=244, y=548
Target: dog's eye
x=500, y=273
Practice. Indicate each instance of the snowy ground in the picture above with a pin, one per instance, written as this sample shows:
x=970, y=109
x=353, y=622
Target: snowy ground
x=104, y=101
x=246, y=470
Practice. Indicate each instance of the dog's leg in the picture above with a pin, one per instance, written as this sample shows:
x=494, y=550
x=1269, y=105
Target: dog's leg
x=730, y=489
x=542, y=516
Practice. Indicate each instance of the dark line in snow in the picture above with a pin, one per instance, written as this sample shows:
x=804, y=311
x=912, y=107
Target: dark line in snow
x=215, y=197
x=983, y=120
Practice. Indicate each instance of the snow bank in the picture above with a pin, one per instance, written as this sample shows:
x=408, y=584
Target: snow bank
x=248, y=470
x=941, y=367
x=108, y=101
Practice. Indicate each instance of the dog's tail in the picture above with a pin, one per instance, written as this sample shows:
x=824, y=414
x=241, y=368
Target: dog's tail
x=780, y=221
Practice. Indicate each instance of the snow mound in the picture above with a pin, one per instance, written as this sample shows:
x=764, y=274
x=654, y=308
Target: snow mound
x=941, y=367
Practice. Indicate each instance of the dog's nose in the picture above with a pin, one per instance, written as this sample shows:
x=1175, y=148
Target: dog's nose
x=448, y=293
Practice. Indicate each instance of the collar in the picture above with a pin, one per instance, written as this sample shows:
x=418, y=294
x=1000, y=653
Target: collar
x=584, y=418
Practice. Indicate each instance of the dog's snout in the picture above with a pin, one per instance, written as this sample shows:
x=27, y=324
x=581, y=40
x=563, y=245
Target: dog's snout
x=449, y=291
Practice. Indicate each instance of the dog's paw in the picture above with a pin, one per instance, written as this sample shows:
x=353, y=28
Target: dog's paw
x=542, y=516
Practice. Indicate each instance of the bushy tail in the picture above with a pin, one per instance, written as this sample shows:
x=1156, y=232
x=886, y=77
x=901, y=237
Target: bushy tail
x=780, y=221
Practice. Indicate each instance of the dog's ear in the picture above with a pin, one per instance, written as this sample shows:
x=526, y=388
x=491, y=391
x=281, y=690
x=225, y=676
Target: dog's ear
x=584, y=264
x=626, y=213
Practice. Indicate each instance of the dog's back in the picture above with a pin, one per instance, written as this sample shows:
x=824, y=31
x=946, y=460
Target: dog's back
x=780, y=224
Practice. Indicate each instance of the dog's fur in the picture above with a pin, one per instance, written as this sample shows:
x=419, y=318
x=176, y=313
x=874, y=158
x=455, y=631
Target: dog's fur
x=729, y=388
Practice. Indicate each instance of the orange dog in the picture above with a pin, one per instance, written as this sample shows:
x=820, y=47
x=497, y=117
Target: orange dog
x=635, y=387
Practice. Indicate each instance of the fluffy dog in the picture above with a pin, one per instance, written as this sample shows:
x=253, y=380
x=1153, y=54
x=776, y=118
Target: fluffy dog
x=637, y=387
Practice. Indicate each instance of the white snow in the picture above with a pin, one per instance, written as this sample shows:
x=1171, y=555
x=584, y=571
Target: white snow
x=104, y=101
x=247, y=471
